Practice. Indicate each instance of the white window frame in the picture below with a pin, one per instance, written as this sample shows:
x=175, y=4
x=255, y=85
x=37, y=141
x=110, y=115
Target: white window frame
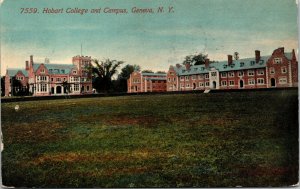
x=187, y=78
x=206, y=76
x=260, y=72
x=201, y=84
x=241, y=73
x=223, y=75
x=224, y=83
x=277, y=60
x=231, y=83
x=207, y=83
x=258, y=80
x=251, y=81
x=272, y=70
x=283, y=70
x=283, y=80
x=231, y=74
x=251, y=72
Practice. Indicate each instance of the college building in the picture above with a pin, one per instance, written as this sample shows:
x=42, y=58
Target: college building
x=44, y=79
x=277, y=70
x=146, y=82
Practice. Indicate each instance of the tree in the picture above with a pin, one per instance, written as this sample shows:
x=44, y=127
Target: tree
x=128, y=69
x=196, y=59
x=161, y=72
x=147, y=71
x=103, y=72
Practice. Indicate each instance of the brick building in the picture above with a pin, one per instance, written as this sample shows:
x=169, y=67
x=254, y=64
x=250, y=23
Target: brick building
x=277, y=70
x=146, y=82
x=44, y=79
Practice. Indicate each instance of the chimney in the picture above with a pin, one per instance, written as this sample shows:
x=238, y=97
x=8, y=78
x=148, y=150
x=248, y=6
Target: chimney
x=31, y=58
x=27, y=65
x=293, y=55
x=187, y=66
x=229, y=60
x=257, y=56
x=206, y=63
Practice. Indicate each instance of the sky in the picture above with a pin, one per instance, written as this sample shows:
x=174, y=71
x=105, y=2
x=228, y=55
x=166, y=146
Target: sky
x=153, y=41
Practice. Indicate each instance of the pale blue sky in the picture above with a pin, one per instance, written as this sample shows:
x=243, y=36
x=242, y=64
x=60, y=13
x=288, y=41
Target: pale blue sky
x=216, y=27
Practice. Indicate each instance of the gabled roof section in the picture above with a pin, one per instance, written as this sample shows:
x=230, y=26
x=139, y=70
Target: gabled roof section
x=13, y=71
x=56, y=68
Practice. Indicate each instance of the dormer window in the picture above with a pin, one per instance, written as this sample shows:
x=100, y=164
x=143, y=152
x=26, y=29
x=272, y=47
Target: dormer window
x=224, y=66
x=74, y=72
x=252, y=63
x=261, y=61
x=202, y=68
x=242, y=64
x=62, y=71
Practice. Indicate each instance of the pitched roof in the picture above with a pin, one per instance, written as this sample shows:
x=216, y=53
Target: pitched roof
x=241, y=64
x=56, y=68
x=13, y=71
x=156, y=79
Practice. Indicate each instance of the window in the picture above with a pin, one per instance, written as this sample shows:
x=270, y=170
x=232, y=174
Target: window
x=224, y=83
x=282, y=80
x=223, y=74
x=206, y=76
x=187, y=77
x=195, y=69
x=169, y=79
x=201, y=84
x=272, y=70
x=241, y=73
x=62, y=71
x=74, y=72
x=214, y=74
x=52, y=79
x=42, y=70
x=251, y=81
x=206, y=83
x=193, y=77
x=252, y=63
x=187, y=85
x=230, y=74
x=260, y=81
x=277, y=60
x=87, y=88
x=76, y=87
x=283, y=70
x=242, y=64
x=43, y=78
x=58, y=79
x=250, y=72
x=174, y=79
x=181, y=78
x=182, y=85
x=43, y=87
x=231, y=83
x=260, y=72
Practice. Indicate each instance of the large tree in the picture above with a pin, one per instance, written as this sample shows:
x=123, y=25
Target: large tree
x=103, y=72
x=128, y=69
x=196, y=59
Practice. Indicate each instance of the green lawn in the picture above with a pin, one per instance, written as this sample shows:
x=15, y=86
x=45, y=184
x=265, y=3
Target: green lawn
x=183, y=140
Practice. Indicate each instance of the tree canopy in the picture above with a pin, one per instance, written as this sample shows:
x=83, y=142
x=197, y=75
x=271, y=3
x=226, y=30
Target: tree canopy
x=103, y=72
x=128, y=69
x=196, y=59
x=147, y=71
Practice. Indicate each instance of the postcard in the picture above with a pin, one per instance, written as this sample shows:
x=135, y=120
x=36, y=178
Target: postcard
x=149, y=93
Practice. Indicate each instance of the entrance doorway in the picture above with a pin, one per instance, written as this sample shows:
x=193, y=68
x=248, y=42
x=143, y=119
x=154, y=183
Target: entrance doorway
x=214, y=85
x=241, y=84
x=194, y=86
x=273, y=82
x=58, y=90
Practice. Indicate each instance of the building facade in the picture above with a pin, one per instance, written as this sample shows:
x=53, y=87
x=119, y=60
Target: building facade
x=146, y=82
x=44, y=79
x=277, y=70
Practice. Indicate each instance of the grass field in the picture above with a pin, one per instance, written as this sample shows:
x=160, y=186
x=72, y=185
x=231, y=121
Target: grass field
x=183, y=140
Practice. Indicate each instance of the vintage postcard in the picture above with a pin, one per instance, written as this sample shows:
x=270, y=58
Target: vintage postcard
x=149, y=93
